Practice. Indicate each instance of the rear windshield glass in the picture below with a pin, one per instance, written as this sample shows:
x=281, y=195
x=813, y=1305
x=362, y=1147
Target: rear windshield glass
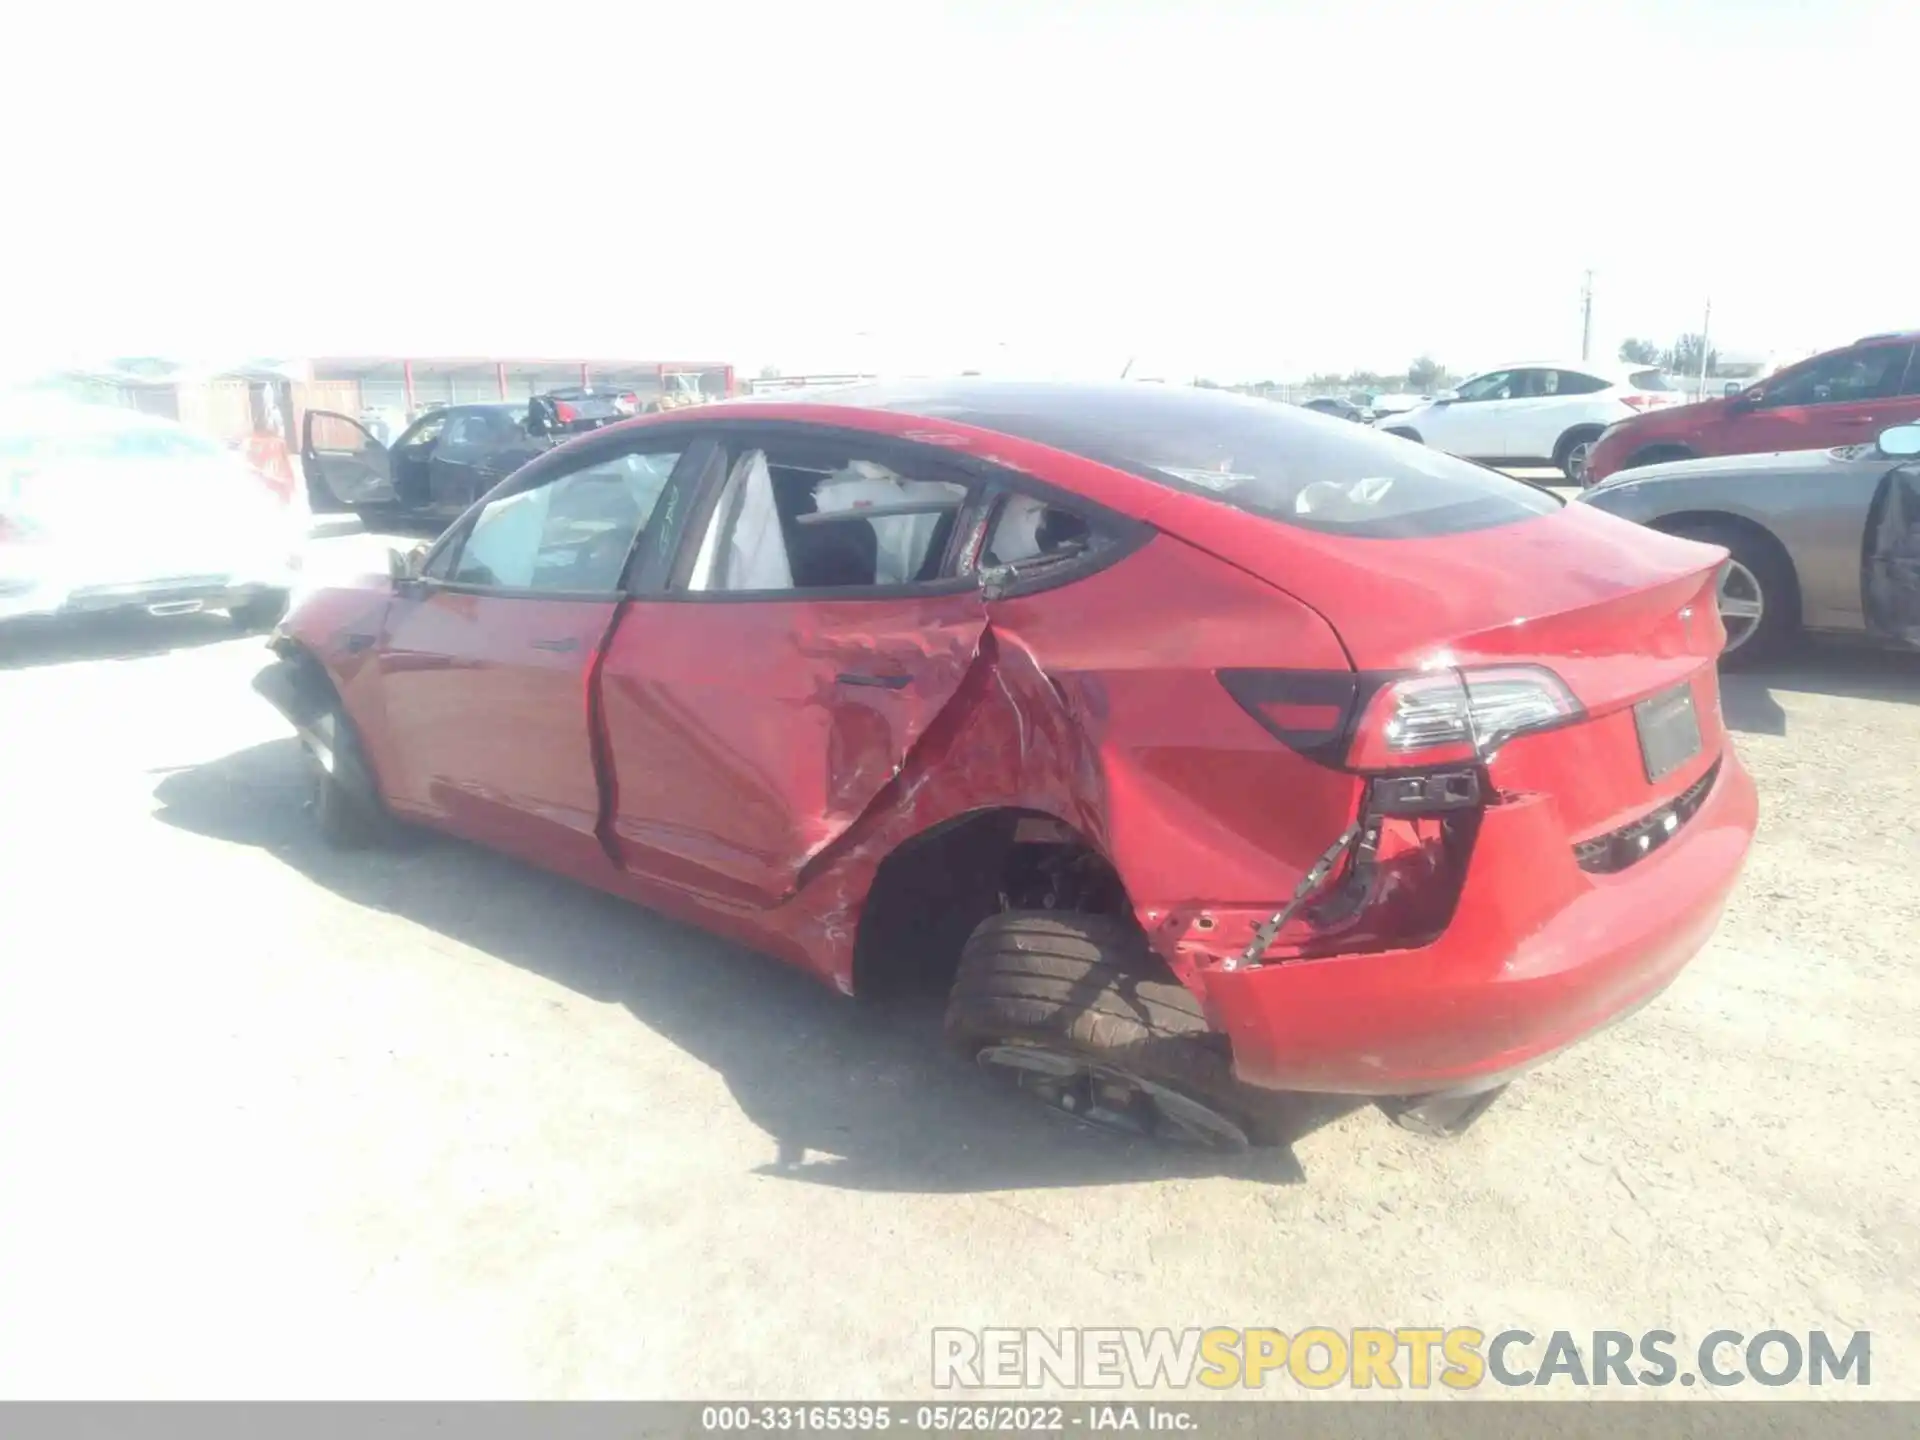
x=1648, y=380
x=1277, y=461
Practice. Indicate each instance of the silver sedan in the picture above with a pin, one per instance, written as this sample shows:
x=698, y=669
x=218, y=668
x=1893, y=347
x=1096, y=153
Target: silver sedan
x=1817, y=540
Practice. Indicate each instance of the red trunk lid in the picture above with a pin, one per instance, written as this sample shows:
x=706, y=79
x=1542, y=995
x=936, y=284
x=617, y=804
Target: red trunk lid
x=1620, y=613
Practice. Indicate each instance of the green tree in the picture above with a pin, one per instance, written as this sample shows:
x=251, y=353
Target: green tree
x=1639, y=352
x=1426, y=374
x=769, y=372
x=1683, y=356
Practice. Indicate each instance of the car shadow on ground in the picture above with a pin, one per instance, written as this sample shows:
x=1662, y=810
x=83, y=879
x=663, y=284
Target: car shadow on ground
x=30, y=644
x=1749, y=698
x=858, y=1096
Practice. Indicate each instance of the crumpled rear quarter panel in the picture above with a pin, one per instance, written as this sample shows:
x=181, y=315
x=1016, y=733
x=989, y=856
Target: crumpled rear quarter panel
x=1096, y=703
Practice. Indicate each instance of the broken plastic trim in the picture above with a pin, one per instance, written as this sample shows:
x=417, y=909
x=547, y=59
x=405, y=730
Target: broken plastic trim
x=1316, y=876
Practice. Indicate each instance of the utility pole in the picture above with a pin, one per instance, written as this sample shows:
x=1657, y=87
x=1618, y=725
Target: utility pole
x=1706, y=330
x=1586, y=317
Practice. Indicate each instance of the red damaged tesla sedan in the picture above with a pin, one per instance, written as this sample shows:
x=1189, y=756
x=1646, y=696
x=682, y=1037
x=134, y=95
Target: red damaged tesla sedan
x=1201, y=747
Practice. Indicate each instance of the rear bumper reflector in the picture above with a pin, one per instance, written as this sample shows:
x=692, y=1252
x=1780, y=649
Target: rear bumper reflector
x=1611, y=853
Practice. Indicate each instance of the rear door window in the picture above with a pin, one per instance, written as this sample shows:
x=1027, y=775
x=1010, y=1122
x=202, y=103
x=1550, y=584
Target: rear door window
x=1569, y=382
x=804, y=516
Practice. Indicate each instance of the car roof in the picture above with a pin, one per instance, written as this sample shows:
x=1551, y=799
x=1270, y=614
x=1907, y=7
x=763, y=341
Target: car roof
x=1022, y=408
x=1615, y=368
x=1908, y=335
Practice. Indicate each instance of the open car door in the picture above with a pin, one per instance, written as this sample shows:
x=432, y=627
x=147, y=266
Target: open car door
x=346, y=467
x=1890, y=558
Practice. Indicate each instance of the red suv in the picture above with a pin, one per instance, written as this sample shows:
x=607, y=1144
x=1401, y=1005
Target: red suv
x=1844, y=397
x=1196, y=746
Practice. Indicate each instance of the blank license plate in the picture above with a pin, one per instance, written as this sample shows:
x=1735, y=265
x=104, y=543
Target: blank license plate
x=1669, y=731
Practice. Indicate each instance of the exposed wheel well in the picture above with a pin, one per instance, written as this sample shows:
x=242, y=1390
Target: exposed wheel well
x=930, y=893
x=315, y=680
x=1694, y=523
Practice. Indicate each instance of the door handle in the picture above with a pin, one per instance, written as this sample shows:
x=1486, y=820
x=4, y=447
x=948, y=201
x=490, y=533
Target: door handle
x=559, y=647
x=883, y=682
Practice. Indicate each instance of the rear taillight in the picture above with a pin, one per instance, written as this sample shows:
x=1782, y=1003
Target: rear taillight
x=1402, y=722
x=565, y=413
x=1455, y=715
x=1643, y=402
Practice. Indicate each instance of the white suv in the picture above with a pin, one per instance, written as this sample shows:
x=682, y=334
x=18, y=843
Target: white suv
x=1538, y=414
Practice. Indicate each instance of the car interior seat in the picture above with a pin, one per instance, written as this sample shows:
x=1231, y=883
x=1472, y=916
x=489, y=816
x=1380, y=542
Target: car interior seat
x=834, y=554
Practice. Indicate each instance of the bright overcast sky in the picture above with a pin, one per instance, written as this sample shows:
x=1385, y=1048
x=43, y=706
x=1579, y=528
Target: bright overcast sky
x=1230, y=190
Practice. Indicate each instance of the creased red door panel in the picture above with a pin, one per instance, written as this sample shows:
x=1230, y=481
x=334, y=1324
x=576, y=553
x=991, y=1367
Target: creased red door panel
x=744, y=737
x=486, y=701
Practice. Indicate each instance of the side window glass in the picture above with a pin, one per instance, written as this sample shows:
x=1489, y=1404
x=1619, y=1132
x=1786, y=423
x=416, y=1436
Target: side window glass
x=1572, y=382
x=427, y=433
x=572, y=534
x=1843, y=378
x=1026, y=529
x=808, y=520
x=1497, y=386
x=1912, y=385
x=468, y=430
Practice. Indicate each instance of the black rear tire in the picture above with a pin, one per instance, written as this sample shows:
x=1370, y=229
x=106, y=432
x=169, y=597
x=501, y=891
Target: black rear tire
x=1771, y=573
x=262, y=612
x=1089, y=986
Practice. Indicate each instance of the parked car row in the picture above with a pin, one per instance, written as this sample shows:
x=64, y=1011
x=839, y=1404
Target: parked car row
x=1593, y=420
x=1537, y=413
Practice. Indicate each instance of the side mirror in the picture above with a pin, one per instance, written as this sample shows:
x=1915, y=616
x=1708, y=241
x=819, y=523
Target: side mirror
x=1902, y=442
x=1445, y=397
x=1732, y=388
x=1747, y=399
x=404, y=565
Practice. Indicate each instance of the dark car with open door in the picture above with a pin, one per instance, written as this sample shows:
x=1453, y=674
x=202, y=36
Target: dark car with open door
x=448, y=457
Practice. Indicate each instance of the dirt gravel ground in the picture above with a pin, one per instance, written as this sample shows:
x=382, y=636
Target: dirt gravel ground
x=280, y=1122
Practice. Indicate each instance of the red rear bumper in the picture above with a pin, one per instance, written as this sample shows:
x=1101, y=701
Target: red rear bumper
x=1539, y=954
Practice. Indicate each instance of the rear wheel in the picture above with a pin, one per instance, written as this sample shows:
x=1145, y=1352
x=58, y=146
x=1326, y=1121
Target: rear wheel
x=1756, y=595
x=262, y=612
x=1573, y=452
x=1076, y=1010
